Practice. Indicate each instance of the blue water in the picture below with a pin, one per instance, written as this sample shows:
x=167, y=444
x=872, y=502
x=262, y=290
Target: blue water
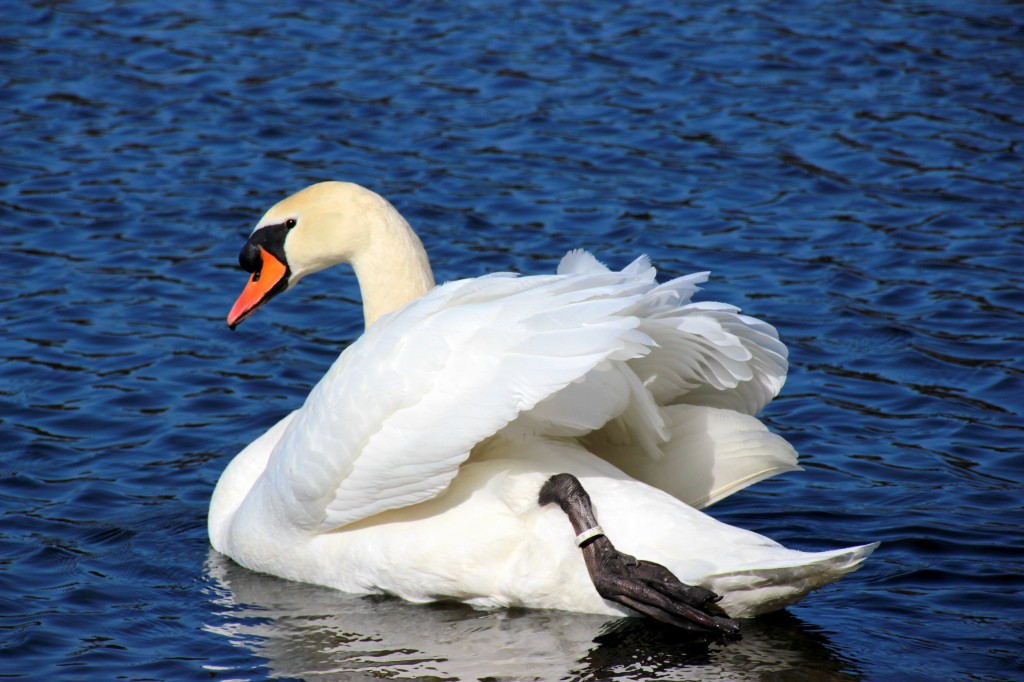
x=850, y=171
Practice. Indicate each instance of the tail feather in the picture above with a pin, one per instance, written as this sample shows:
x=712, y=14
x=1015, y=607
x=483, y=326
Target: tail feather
x=769, y=585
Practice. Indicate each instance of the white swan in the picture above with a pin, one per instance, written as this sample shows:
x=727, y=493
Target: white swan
x=414, y=466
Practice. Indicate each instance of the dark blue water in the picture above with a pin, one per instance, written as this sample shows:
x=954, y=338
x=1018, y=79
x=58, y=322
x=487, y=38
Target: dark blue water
x=852, y=172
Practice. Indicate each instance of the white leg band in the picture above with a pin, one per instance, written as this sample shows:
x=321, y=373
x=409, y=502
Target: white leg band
x=588, y=534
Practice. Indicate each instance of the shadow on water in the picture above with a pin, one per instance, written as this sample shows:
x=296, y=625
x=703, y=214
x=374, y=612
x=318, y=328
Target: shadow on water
x=309, y=632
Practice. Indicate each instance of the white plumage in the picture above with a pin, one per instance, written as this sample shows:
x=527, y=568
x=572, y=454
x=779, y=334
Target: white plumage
x=414, y=465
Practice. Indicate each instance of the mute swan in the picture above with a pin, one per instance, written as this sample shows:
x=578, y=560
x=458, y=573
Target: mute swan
x=476, y=428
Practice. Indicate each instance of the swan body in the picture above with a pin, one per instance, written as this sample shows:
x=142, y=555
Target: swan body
x=413, y=467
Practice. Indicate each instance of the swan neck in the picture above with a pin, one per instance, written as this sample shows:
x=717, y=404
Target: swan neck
x=392, y=268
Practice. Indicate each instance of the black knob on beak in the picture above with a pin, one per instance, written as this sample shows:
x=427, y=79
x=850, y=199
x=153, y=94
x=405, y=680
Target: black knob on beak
x=250, y=257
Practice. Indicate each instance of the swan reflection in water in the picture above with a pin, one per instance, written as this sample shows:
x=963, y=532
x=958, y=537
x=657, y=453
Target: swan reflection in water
x=306, y=631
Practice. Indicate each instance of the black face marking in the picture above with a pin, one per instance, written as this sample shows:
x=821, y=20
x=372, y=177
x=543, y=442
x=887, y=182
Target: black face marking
x=271, y=238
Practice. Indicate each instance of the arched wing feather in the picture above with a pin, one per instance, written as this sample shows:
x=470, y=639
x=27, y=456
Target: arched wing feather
x=583, y=350
x=426, y=384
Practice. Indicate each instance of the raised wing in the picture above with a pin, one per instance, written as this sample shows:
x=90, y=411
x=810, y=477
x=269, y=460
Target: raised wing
x=586, y=353
x=706, y=353
x=685, y=420
x=400, y=410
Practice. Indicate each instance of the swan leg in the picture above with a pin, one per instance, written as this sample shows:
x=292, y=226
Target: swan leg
x=643, y=586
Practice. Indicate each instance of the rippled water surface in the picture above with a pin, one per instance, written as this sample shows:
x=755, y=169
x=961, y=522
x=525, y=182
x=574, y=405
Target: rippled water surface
x=850, y=171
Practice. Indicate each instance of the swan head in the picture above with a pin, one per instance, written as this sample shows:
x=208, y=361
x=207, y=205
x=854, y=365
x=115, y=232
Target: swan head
x=323, y=225
x=326, y=224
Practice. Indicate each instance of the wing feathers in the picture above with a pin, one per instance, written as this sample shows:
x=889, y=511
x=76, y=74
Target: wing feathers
x=458, y=364
x=585, y=351
x=709, y=454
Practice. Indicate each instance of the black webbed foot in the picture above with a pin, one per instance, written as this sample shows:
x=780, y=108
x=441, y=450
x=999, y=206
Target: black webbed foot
x=643, y=586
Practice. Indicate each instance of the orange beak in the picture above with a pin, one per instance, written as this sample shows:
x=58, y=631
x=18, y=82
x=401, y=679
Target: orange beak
x=268, y=281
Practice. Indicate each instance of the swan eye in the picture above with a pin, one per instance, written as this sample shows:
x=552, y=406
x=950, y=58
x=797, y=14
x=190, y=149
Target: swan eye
x=290, y=223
